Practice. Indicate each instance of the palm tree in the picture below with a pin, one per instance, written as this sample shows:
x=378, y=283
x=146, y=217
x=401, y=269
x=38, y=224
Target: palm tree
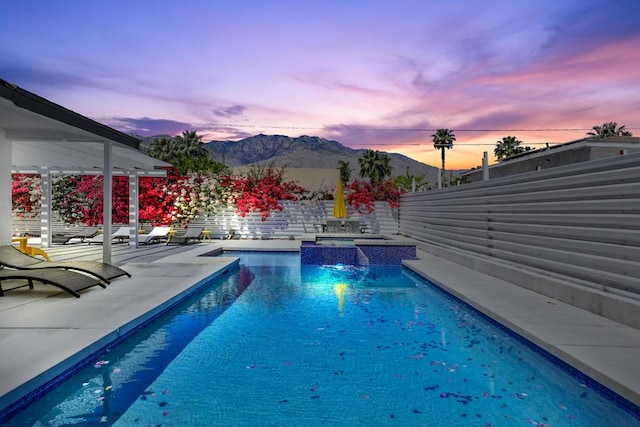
x=509, y=146
x=443, y=138
x=161, y=148
x=608, y=129
x=375, y=166
x=186, y=146
x=345, y=171
x=189, y=144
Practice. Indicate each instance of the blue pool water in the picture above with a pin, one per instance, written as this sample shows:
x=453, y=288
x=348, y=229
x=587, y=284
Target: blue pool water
x=277, y=343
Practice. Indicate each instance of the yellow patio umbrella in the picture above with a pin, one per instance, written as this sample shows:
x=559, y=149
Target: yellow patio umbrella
x=339, y=207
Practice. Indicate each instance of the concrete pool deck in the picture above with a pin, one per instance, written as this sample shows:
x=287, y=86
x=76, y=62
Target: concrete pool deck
x=43, y=331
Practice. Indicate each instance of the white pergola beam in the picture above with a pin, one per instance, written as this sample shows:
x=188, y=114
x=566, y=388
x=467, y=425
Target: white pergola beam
x=5, y=182
x=61, y=171
x=107, y=191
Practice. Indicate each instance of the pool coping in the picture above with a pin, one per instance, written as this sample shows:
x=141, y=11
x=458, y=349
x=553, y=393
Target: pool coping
x=343, y=236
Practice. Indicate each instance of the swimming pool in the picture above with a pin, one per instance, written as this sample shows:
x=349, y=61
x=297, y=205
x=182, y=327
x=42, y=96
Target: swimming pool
x=279, y=343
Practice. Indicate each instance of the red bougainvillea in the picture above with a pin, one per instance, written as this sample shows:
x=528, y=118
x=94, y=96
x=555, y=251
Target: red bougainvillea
x=162, y=201
x=91, y=187
x=259, y=191
x=387, y=191
x=79, y=199
x=176, y=199
x=180, y=198
x=26, y=194
x=156, y=201
x=361, y=195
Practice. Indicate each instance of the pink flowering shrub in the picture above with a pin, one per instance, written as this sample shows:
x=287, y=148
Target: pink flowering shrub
x=361, y=195
x=79, y=199
x=178, y=199
x=26, y=194
x=259, y=191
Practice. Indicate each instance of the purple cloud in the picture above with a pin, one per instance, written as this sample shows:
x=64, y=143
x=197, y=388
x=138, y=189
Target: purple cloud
x=356, y=136
x=146, y=126
x=232, y=111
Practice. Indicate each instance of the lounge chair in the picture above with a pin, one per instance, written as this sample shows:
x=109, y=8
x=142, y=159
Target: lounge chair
x=156, y=235
x=121, y=235
x=11, y=257
x=83, y=234
x=193, y=234
x=68, y=281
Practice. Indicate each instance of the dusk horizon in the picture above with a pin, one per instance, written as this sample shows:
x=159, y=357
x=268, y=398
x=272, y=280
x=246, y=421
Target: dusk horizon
x=365, y=74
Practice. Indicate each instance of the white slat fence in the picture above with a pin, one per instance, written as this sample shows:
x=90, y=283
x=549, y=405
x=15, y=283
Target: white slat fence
x=578, y=224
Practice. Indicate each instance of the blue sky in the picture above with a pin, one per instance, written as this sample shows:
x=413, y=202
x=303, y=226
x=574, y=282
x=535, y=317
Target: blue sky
x=369, y=74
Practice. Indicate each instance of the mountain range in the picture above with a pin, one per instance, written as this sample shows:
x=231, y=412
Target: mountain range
x=305, y=152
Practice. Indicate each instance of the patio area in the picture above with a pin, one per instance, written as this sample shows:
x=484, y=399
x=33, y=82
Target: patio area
x=45, y=331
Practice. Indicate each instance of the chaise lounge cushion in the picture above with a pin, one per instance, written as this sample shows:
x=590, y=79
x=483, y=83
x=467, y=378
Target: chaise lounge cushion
x=120, y=236
x=156, y=235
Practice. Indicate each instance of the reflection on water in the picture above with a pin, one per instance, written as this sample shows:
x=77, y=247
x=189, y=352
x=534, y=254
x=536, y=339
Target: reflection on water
x=340, y=290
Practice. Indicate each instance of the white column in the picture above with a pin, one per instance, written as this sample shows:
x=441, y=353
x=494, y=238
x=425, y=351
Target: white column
x=133, y=208
x=46, y=232
x=107, y=190
x=6, y=148
x=439, y=178
x=485, y=167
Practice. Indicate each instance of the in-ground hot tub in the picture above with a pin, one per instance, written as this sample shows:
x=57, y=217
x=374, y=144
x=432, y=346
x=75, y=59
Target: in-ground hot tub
x=345, y=250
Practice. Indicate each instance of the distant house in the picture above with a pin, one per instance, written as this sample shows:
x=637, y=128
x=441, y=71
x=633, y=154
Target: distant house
x=581, y=150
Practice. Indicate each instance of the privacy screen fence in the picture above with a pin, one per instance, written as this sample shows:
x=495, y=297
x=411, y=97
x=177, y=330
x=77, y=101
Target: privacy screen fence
x=579, y=222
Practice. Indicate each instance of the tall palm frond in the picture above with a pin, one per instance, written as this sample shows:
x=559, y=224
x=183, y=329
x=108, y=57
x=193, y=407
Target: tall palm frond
x=190, y=144
x=345, y=171
x=509, y=146
x=375, y=166
x=162, y=148
x=607, y=130
x=443, y=139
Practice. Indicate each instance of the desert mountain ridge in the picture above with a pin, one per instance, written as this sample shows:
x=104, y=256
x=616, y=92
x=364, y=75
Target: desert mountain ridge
x=304, y=152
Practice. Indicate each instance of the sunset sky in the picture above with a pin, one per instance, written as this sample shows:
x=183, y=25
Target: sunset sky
x=376, y=74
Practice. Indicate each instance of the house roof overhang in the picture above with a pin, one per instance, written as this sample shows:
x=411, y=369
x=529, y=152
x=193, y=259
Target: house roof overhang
x=613, y=141
x=45, y=134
